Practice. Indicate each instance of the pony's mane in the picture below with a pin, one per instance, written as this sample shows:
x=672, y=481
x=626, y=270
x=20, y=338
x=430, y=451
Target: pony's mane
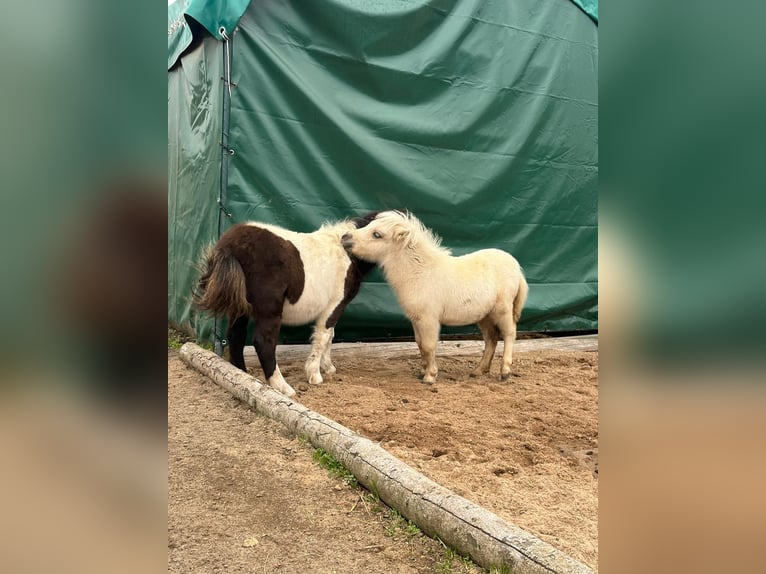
x=348, y=224
x=420, y=233
x=343, y=225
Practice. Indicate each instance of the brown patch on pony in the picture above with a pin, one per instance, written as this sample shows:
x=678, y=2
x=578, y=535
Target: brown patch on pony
x=249, y=266
x=354, y=275
x=364, y=220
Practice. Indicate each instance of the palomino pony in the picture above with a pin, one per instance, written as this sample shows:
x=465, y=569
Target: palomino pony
x=278, y=276
x=434, y=288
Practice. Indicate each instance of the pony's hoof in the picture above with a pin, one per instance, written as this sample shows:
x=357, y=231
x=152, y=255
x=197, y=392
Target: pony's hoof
x=429, y=380
x=331, y=370
x=316, y=379
x=505, y=376
x=286, y=390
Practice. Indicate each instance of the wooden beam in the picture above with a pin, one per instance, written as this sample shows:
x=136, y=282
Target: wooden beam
x=445, y=348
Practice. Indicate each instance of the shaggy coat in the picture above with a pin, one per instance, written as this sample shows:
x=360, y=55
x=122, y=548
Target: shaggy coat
x=434, y=288
x=278, y=276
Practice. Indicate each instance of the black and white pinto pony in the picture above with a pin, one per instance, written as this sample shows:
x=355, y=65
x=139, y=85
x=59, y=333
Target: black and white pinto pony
x=434, y=288
x=278, y=276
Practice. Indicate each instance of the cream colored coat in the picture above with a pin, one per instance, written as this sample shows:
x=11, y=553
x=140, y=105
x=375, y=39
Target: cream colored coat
x=434, y=288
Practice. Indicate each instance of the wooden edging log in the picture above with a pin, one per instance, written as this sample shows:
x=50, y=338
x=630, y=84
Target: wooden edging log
x=437, y=511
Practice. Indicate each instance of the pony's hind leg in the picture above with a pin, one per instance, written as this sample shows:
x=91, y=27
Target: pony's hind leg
x=490, y=334
x=236, y=335
x=265, y=342
x=507, y=326
x=320, y=343
x=427, y=337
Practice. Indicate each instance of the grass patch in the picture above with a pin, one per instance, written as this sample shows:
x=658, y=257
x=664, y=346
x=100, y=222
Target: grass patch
x=372, y=503
x=334, y=467
x=453, y=563
x=176, y=339
x=398, y=527
x=375, y=491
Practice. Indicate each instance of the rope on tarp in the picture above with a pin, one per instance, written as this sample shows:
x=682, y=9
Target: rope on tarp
x=226, y=60
x=226, y=153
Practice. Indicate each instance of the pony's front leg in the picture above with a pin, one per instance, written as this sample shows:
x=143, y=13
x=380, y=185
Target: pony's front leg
x=326, y=364
x=427, y=336
x=265, y=342
x=320, y=340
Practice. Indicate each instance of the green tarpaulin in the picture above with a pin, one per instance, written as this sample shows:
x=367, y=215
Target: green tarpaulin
x=481, y=117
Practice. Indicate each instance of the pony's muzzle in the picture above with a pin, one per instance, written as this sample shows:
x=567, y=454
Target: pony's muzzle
x=347, y=241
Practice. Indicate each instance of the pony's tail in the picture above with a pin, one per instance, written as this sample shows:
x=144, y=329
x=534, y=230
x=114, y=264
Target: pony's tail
x=521, y=298
x=221, y=289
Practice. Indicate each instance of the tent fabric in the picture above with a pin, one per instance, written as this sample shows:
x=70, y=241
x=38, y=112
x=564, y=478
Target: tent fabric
x=481, y=117
x=590, y=7
x=211, y=14
x=179, y=32
x=194, y=160
x=217, y=14
x=214, y=14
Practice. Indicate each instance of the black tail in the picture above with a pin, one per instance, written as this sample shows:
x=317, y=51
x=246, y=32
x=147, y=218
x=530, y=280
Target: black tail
x=221, y=289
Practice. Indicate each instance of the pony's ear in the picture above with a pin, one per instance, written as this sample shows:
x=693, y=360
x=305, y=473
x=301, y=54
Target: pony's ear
x=401, y=233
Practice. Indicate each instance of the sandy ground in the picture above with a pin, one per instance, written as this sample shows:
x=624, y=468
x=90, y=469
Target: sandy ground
x=526, y=449
x=244, y=496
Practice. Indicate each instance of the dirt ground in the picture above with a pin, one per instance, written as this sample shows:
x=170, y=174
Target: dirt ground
x=244, y=496
x=526, y=449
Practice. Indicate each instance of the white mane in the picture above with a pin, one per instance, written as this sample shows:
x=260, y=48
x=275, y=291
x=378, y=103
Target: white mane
x=421, y=236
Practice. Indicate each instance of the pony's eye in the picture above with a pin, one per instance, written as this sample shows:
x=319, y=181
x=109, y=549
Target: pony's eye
x=376, y=235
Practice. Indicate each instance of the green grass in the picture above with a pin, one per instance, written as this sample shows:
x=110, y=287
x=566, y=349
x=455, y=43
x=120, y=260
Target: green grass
x=398, y=527
x=375, y=491
x=453, y=563
x=372, y=503
x=176, y=339
x=334, y=467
